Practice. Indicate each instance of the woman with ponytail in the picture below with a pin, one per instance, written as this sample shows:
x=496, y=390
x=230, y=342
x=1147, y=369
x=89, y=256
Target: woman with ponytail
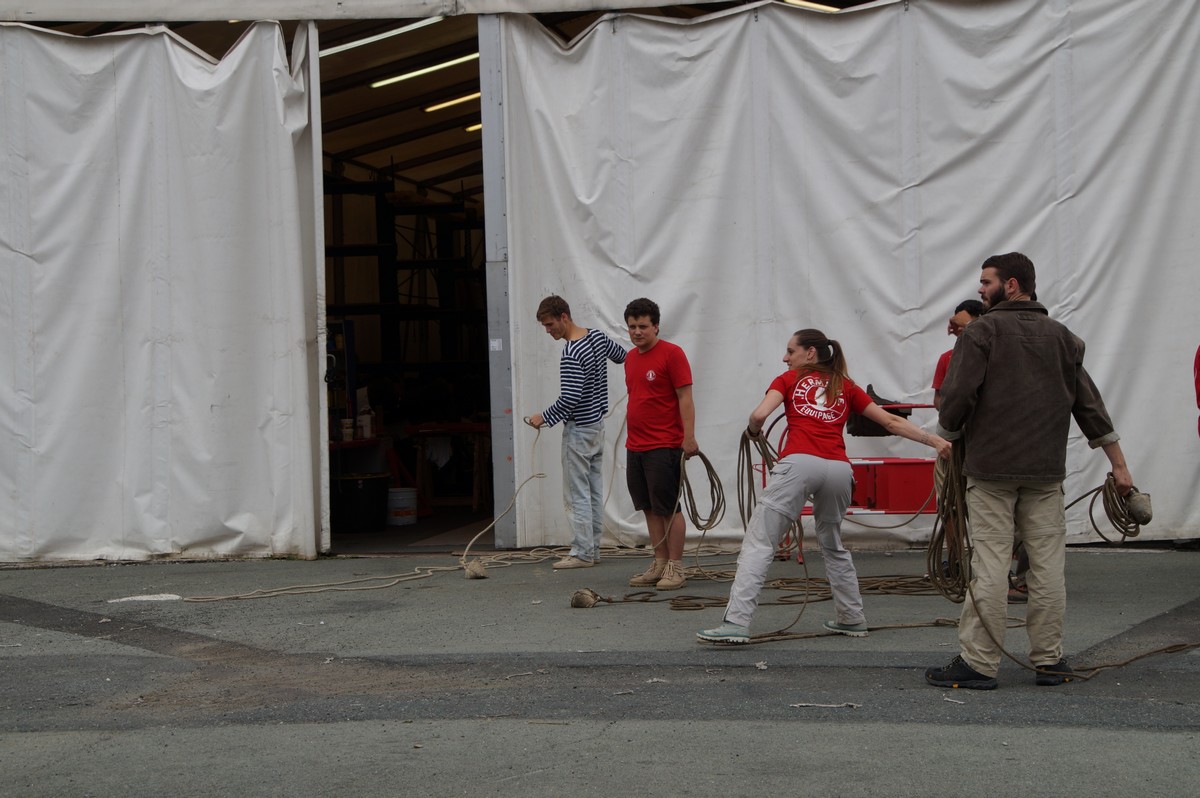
x=818, y=397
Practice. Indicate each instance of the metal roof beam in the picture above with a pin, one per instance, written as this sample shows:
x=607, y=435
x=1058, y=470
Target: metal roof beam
x=411, y=135
x=428, y=58
x=470, y=170
x=407, y=104
x=433, y=157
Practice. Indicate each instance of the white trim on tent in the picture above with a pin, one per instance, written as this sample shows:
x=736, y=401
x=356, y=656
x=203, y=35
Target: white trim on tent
x=495, y=204
x=173, y=11
x=320, y=425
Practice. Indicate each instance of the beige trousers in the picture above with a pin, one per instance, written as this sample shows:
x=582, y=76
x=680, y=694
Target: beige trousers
x=1000, y=513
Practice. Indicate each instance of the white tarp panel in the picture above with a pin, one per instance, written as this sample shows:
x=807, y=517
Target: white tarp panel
x=157, y=298
x=769, y=169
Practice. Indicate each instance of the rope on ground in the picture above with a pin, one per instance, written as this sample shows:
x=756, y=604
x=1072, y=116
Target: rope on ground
x=477, y=568
x=1174, y=648
x=474, y=569
x=949, y=578
x=349, y=585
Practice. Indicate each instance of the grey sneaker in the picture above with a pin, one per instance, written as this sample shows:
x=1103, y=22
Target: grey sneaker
x=572, y=562
x=851, y=630
x=726, y=633
x=650, y=576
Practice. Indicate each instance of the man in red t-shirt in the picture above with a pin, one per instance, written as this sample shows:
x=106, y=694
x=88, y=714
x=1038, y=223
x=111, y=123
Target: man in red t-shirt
x=966, y=312
x=661, y=431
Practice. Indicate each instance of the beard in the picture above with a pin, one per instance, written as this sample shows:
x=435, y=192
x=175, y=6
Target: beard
x=994, y=298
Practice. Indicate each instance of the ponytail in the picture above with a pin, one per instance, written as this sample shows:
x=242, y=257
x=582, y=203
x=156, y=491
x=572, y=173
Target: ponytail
x=830, y=360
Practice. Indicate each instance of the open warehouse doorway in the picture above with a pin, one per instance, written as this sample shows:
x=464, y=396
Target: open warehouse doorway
x=406, y=279
x=406, y=367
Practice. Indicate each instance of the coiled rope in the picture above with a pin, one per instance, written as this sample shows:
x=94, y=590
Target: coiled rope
x=685, y=497
x=1117, y=508
x=948, y=556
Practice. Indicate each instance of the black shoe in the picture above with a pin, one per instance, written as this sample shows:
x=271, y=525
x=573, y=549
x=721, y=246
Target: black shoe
x=959, y=674
x=1057, y=673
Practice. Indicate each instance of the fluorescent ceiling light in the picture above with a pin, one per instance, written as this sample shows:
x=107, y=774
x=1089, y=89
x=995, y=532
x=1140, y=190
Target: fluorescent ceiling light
x=473, y=128
x=456, y=101
x=341, y=48
x=813, y=6
x=389, y=81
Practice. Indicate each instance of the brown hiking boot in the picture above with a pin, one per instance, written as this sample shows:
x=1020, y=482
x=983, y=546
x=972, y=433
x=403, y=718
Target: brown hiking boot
x=650, y=576
x=672, y=578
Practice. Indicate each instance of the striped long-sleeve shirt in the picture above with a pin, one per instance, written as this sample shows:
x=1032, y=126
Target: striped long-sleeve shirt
x=583, y=376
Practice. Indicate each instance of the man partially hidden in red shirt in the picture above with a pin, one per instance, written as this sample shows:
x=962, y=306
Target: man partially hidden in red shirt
x=966, y=312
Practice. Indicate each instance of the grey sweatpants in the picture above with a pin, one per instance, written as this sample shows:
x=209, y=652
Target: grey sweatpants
x=793, y=480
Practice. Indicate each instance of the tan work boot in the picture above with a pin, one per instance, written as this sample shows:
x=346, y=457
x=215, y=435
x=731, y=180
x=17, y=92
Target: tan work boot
x=650, y=576
x=672, y=578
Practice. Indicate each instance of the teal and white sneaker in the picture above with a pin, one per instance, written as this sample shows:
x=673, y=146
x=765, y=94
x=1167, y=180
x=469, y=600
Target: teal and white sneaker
x=726, y=633
x=852, y=630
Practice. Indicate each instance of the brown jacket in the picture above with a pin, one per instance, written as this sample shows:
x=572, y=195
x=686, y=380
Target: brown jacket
x=1016, y=379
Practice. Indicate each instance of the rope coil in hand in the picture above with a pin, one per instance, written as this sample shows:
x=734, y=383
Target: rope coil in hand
x=1127, y=514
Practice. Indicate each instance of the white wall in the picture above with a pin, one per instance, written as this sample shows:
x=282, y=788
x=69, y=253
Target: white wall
x=158, y=298
x=770, y=169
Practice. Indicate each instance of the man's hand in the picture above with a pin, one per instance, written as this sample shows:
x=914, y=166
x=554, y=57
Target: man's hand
x=536, y=421
x=958, y=322
x=690, y=448
x=1123, y=479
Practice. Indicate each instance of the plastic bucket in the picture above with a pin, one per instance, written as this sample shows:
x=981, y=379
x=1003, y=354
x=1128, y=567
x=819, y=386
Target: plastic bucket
x=402, y=506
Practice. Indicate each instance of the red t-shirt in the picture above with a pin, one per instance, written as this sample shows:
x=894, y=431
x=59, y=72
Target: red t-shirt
x=652, y=419
x=814, y=428
x=1196, y=374
x=939, y=373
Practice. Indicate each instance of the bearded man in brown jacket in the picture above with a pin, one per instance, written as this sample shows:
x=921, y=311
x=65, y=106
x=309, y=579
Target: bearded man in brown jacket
x=1015, y=382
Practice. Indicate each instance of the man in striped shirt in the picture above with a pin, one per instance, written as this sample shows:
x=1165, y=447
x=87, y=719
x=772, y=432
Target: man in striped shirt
x=581, y=406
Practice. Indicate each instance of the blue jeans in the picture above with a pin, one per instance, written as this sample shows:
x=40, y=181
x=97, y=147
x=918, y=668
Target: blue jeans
x=583, y=486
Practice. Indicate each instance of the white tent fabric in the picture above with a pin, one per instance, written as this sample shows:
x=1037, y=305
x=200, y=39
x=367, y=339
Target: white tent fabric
x=158, y=306
x=768, y=168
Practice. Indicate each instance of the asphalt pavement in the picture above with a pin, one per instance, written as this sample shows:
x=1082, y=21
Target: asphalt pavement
x=400, y=676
